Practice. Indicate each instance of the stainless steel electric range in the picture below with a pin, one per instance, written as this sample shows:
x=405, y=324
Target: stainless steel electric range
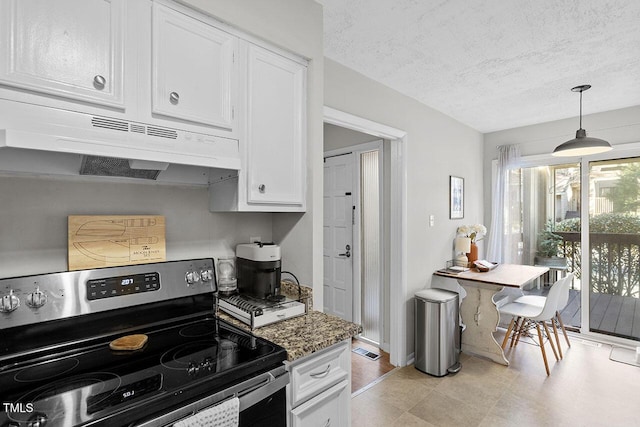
x=57, y=367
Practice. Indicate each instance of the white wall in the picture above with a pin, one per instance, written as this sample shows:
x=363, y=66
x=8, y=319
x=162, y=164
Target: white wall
x=336, y=137
x=438, y=146
x=618, y=127
x=34, y=210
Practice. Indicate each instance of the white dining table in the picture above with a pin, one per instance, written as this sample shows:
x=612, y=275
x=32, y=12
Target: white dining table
x=478, y=311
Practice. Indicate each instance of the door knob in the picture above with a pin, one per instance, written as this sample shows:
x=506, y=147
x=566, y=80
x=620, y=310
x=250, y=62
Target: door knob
x=347, y=253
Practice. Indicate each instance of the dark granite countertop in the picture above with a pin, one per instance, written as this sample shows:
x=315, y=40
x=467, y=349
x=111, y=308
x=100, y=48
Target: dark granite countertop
x=304, y=335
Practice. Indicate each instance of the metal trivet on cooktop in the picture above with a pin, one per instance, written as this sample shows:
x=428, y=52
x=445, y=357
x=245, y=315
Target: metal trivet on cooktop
x=244, y=304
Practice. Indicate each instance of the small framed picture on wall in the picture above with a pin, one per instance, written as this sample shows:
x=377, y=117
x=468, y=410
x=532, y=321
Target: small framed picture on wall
x=456, y=197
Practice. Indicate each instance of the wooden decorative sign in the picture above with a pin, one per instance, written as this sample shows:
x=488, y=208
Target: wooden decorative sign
x=107, y=241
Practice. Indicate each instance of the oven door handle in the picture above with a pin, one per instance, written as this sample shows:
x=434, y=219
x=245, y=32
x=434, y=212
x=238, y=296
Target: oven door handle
x=274, y=380
x=255, y=394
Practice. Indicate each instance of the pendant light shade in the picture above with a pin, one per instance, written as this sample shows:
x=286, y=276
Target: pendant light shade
x=581, y=145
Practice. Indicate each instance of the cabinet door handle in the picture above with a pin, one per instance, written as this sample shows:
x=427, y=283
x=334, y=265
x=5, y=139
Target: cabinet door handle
x=99, y=82
x=322, y=374
x=174, y=97
x=262, y=188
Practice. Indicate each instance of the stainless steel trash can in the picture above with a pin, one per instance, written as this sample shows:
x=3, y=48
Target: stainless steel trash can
x=437, y=332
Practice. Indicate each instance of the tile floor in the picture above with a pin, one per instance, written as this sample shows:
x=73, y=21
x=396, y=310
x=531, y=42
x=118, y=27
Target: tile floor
x=584, y=389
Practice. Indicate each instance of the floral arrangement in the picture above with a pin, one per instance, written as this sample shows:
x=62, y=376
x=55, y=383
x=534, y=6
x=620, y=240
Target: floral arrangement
x=474, y=232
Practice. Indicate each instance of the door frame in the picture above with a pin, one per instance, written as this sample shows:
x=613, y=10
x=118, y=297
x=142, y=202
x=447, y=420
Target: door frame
x=397, y=220
x=356, y=150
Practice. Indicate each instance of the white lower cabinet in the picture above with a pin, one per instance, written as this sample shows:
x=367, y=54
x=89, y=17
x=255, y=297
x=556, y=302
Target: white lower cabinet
x=328, y=409
x=319, y=393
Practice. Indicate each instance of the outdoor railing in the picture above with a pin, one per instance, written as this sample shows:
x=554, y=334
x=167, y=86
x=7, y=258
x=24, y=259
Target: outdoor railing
x=615, y=261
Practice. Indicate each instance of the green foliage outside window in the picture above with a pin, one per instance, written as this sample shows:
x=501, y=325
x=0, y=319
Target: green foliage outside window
x=615, y=252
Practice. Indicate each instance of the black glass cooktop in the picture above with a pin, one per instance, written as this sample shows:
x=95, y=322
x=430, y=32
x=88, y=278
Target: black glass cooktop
x=178, y=363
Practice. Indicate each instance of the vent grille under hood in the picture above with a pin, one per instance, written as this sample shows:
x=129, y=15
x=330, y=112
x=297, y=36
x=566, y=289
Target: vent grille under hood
x=112, y=146
x=108, y=166
x=123, y=126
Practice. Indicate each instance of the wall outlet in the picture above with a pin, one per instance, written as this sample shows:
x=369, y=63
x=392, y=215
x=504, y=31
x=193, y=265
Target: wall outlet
x=255, y=239
x=432, y=220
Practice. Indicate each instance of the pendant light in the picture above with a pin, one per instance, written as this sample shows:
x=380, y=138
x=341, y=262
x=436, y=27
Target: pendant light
x=582, y=145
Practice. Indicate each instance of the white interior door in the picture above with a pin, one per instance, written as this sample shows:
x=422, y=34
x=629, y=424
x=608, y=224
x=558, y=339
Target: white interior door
x=338, y=236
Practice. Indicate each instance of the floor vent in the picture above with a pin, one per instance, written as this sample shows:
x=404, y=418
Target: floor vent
x=366, y=353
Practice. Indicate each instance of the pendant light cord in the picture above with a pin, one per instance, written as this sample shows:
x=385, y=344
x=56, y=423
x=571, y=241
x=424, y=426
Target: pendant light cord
x=581, y=109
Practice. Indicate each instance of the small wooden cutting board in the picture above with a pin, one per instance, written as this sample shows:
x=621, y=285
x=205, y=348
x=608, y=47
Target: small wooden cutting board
x=96, y=241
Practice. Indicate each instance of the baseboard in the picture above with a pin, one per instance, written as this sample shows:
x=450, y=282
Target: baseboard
x=368, y=341
x=411, y=359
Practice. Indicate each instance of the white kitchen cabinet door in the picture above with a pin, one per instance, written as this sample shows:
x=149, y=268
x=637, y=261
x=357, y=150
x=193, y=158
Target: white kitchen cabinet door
x=69, y=48
x=328, y=409
x=193, y=69
x=276, y=162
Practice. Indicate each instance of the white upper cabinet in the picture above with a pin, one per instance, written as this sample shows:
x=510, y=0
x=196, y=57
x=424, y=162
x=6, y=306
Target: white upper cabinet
x=275, y=149
x=273, y=142
x=193, y=69
x=68, y=48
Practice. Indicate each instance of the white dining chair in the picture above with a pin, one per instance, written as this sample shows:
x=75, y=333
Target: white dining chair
x=556, y=321
x=525, y=317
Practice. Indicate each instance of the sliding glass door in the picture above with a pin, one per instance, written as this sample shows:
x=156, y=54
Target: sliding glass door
x=550, y=202
x=582, y=218
x=614, y=247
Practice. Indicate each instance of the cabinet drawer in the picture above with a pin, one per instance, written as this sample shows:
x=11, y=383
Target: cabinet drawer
x=329, y=409
x=321, y=371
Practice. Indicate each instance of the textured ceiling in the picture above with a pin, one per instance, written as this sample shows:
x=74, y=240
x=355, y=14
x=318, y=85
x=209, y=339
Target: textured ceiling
x=493, y=64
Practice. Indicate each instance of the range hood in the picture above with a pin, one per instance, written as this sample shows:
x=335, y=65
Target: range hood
x=108, y=146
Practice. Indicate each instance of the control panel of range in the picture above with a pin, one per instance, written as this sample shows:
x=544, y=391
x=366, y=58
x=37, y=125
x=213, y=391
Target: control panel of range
x=122, y=285
x=32, y=299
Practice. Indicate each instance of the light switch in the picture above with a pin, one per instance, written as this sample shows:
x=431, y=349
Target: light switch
x=432, y=220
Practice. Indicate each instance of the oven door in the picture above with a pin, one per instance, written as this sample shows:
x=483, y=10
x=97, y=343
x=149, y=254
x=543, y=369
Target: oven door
x=262, y=403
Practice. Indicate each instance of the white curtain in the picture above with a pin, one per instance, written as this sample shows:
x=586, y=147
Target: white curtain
x=500, y=242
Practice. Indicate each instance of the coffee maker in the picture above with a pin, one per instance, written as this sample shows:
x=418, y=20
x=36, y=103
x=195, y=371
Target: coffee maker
x=258, y=270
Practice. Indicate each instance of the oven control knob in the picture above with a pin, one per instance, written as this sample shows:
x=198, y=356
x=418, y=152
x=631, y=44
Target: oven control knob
x=37, y=420
x=192, y=369
x=192, y=277
x=36, y=299
x=9, y=302
x=206, y=275
x=207, y=364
